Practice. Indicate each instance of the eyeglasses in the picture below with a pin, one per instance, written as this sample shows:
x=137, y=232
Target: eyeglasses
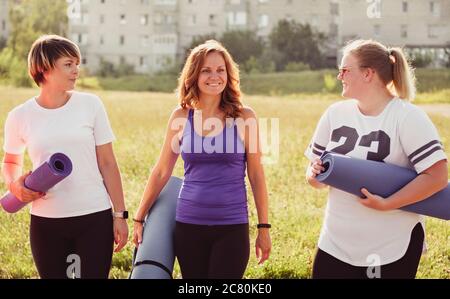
x=345, y=70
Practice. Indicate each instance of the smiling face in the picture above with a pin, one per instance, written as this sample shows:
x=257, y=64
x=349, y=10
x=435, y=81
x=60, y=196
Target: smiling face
x=64, y=74
x=352, y=77
x=213, y=76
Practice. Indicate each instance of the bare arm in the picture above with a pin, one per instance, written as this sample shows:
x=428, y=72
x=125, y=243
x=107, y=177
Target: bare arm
x=430, y=181
x=162, y=171
x=15, y=182
x=257, y=180
x=109, y=169
x=11, y=168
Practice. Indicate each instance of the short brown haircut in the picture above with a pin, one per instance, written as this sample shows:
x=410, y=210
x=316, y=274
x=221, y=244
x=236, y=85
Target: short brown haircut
x=45, y=51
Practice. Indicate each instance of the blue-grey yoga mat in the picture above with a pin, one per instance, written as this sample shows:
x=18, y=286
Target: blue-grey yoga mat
x=155, y=257
x=351, y=175
x=51, y=172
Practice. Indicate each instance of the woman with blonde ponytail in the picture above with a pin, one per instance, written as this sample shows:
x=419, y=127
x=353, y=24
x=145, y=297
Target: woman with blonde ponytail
x=371, y=237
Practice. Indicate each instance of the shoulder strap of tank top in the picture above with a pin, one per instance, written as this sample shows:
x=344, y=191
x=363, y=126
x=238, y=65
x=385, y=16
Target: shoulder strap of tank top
x=191, y=114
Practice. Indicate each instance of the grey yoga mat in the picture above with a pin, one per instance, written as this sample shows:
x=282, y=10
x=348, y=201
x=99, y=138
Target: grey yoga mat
x=351, y=175
x=51, y=172
x=154, y=259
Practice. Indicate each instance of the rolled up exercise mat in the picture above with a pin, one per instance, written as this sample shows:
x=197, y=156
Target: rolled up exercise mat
x=351, y=175
x=51, y=172
x=155, y=257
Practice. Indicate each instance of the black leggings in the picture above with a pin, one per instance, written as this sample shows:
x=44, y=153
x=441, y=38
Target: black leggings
x=216, y=252
x=81, y=245
x=327, y=266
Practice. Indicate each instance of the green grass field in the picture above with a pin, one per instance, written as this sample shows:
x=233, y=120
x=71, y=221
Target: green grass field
x=296, y=210
x=284, y=83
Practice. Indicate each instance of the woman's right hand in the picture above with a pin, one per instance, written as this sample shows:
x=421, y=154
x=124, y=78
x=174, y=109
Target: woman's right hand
x=137, y=233
x=316, y=168
x=23, y=193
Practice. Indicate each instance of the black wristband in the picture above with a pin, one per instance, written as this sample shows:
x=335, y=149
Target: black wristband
x=263, y=225
x=139, y=221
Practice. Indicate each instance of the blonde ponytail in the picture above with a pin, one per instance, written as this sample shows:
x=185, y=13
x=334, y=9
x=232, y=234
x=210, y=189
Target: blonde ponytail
x=403, y=75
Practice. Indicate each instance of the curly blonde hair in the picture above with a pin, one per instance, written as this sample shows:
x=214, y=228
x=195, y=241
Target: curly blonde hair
x=188, y=91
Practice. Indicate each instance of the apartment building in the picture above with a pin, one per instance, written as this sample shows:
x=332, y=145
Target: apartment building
x=151, y=34
x=141, y=33
x=415, y=24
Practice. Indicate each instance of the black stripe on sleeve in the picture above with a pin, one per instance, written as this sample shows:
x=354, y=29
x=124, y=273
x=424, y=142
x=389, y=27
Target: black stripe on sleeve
x=319, y=147
x=317, y=152
x=427, y=154
x=421, y=149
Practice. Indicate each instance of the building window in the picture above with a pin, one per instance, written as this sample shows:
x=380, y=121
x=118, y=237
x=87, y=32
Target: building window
x=144, y=20
x=102, y=40
x=122, y=60
x=404, y=31
x=376, y=30
x=212, y=20
x=192, y=20
x=84, y=60
x=123, y=19
x=82, y=38
x=435, y=8
x=144, y=40
x=405, y=6
x=158, y=18
x=263, y=21
x=3, y=25
x=334, y=8
x=237, y=18
x=102, y=1
x=433, y=31
x=333, y=29
x=314, y=20
x=168, y=19
x=102, y=19
x=142, y=61
x=122, y=40
x=84, y=18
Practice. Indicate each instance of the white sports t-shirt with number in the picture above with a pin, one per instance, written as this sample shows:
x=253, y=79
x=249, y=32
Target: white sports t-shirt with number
x=402, y=135
x=74, y=129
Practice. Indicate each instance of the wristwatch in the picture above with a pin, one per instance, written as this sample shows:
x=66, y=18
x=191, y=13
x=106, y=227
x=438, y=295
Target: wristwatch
x=123, y=214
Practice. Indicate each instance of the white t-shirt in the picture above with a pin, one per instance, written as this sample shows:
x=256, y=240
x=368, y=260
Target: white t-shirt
x=402, y=135
x=75, y=130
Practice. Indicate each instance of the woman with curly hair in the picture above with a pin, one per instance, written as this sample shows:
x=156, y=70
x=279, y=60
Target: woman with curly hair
x=210, y=129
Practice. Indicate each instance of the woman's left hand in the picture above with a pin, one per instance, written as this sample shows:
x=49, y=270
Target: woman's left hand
x=263, y=245
x=375, y=201
x=120, y=233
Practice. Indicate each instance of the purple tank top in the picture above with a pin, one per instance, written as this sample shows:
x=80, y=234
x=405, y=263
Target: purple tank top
x=213, y=190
